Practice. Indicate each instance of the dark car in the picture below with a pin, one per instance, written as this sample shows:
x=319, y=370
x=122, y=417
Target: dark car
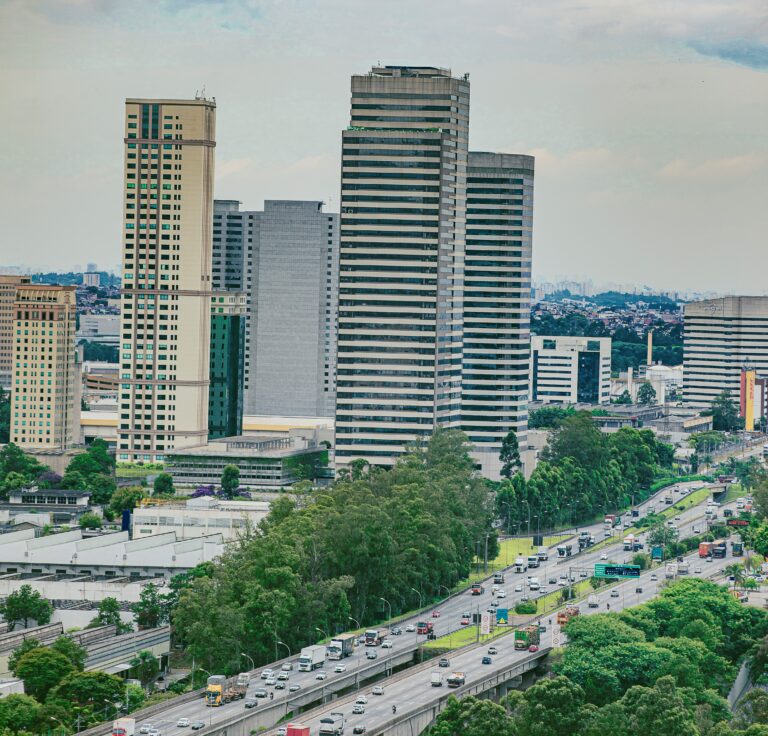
x=359, y=729
x=251, y=703
x=197, y=725
x=487, y=660
x=280, y=685
x=444, y=662
x=638, y=590
x=396, y=631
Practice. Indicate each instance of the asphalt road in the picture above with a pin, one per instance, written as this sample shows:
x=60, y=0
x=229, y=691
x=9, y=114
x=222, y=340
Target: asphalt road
x=450, y=616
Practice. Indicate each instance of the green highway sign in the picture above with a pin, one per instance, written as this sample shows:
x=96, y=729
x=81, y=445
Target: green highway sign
x=617, y=571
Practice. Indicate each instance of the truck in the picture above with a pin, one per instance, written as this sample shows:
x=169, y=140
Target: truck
x=670, y=570
x=235, y=690
x=214, y=690
x=296, y=729
x=593, y=602
x=124, y=727
x=243, y=679
x=520, y=565
x=705, y=549
x=525, y=636
x=533, y=561
x=543, y=554
x=374, y=637
x=631, y=543
x=477, y=589
x=498, y=578
x=719, y=548
x=313, y=657
x=332, y=724
x=737, y=549
x=668, y=500
x=437, y=679
x=564, y=550
x=425, y=627
x=610, y=521
x=342, y=646
x=683, y=568
x=455, y=679
x=534, y=584
x=563, y=617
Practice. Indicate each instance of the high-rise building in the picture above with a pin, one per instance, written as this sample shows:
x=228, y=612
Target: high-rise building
x=8, y=286
x=225, y=399
x=570, y=370
x=166, y=303
x=497, y=303
x=45, y=408
x=722, y=337
x=403, y=191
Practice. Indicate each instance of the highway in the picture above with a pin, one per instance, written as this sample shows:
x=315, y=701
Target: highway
x=450, y=612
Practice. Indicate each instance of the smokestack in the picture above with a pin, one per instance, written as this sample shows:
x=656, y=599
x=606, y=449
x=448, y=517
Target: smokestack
x=649, y=357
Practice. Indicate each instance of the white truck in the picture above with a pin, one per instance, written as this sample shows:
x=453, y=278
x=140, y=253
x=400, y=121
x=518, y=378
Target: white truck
x=520, y=565
x=124, y=727
x=243, y=679
x=534, y=584
x=543, y=554
x=533, y=561
x=670, y=571
x=683, y=568
x=593, y=601
x=437, y=679
x=311, y=658
x=332, y=724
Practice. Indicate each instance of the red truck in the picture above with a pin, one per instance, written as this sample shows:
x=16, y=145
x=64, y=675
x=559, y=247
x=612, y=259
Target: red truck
x=705, y=549
x=424, y=627
x=296, y=729
x=477, y=589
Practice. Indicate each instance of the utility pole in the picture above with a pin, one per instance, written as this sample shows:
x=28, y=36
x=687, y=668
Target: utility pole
x=485, y=561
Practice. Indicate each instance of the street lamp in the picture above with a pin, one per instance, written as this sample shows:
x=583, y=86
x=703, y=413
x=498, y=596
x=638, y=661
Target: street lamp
x=325, y=635
x=283, y=644
x=250, y=659
x=356, y=622
x=64, y=728
x=445, y=588
x=388, y=604
x=421, y=604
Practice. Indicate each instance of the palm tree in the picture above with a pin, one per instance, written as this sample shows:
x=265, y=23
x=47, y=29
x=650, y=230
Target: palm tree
x=736, y=571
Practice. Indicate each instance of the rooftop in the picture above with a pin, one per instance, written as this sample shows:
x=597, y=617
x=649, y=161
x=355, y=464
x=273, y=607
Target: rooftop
x=263, y=444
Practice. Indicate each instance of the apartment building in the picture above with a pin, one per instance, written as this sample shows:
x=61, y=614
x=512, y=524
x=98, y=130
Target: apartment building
x=8, y=286
x=166, y=301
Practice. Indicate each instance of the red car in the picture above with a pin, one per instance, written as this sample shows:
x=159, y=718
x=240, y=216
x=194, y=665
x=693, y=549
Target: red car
x=533, y=648
x=465, y=621
x=435, y=614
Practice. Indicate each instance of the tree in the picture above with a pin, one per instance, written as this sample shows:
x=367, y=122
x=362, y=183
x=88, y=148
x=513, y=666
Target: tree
x=25, y=605
x=102, y=488
x=146, y=666
x=760, y=539
x=658, y=710
x=26, y=646
x=109, y=615
x=84, y=688
x=163, y=485
x=150, y=612
x=752, y=708
x=14, y=481
x=548, y=417
x=471, y=716
x=67, y=646
x=725, y=414
x=89, y=520
x=646, y=394
x=623, y=398
x=230, y=480
x=42, y=669
x=510, y=454
x=125, y=499
x=18, y=713
x=550, y=708
x=5, y=416
x=661, y=535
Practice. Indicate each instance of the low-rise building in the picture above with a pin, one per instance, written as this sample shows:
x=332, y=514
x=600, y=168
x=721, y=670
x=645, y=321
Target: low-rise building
x=265, y=460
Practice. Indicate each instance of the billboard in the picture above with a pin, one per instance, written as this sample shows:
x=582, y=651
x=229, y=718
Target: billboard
x=502, y=616
x=485, y=623
x=747, y=399
x=617, y=571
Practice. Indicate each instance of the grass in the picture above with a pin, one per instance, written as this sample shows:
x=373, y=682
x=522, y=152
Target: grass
x=464, y=636
x=136, y=471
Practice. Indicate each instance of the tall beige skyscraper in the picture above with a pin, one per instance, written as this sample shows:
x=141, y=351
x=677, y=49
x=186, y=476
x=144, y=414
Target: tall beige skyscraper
x=45, y=389
x=165, y=325
x=8, y=286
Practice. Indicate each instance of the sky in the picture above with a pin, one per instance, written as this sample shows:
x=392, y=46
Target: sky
x=648, y=118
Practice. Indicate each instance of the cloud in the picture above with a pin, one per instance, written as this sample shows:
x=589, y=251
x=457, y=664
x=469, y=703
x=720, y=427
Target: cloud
x=584, y=162
x=741, y=51
x=232, y=166
x=717, y=168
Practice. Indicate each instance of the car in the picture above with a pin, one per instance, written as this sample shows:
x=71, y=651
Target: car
x=435, y=614
x=397, y=631
x=361, y=699
x=340, y=668
x=377, y=690
x=524, y=599
x=280, y=685
x=464, y=621
x=370, y=654
x=542, y=590
x=697, y=570
x=583, y=574
x=487, y=660
x=410, y=628
x=519, y=588
x=562, y=582
x=614, y=594
x=260, y=692
x=604, y=556
x=154, y=732
x=564, y=576
x=359, y=729
x=283, y=676
x=287, y=666
x=249, y=703
x=271, y=681
x=493, y=650
x=502, y=594
x=444, y=662
x=145, y=728
x=184, y=722
x=282, y=731
x=638, y=590
x=495, y=604
x=552, y=581
x=386, y=644
x=696, y=530
x=358, y=709
x=197, y=725
x=266, y=673
x=677, y=518
x=293, y=688
x=321, y=675
x=654, y=577
x=533, y=648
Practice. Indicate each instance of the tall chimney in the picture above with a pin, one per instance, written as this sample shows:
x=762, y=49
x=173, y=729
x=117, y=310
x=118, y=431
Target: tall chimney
x=649, y=357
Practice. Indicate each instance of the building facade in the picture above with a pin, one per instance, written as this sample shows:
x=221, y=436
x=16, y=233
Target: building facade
x=45, y=401
x=225, y=398
x=403, y=217
x=570, y=370
x=497, y=303
x=165, y=325
x=722, y=337
x=8, y=286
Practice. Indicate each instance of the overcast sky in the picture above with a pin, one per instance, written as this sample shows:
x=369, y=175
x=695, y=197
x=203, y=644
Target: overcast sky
x=648, y=118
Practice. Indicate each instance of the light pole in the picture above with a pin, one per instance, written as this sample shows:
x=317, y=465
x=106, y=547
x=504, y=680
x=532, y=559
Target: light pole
x=250, y=659
x=325, y=635
x=389, y=605
x=283, y=644
x=202, y=670
x=421, y=605
x=64, y=728
x=445, y=588
x=355, y=621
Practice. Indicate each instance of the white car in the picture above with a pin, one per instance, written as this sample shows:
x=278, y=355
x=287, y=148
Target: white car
x=519, y=588
x=271, y=680
x=361, y=699
x=266, y=673
x=377, y=690
x=283, y=676
x=182, y=723
x=145, y=728
x=696, y=530
x=604, y=556
x=410, y=628
x=697, y=570
x=321, y=675
x=502, y=594
x=340, y=668
x=282, y=731
x=386, y=644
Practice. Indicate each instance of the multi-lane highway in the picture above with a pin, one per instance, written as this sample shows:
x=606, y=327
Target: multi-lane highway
x=450, y=610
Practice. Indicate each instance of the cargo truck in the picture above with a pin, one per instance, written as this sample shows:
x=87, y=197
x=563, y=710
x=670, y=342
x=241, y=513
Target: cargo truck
x=374, y=637
x=455, y=679
x=477, y=589
x=543, y=554
x=425, y=627
x=498, y=578
x=737, y=549
x=705, y=549
x=533, y=561
x=593, y=602
x=563, y=617
x=683, y=568
x=437, y=679
x=632, y=543
x=214, y=690
x=244, y=678
x=341, y=646
x=520, y=565
x=670, y=571
x=312, y=657
x=296, y=729
x=124, y=727
x=526, y=636
x=719, y=548
x=534, y=584
x=564, y=550
x=332, y=724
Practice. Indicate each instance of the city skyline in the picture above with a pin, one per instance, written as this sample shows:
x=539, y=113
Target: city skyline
x=619, y=106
